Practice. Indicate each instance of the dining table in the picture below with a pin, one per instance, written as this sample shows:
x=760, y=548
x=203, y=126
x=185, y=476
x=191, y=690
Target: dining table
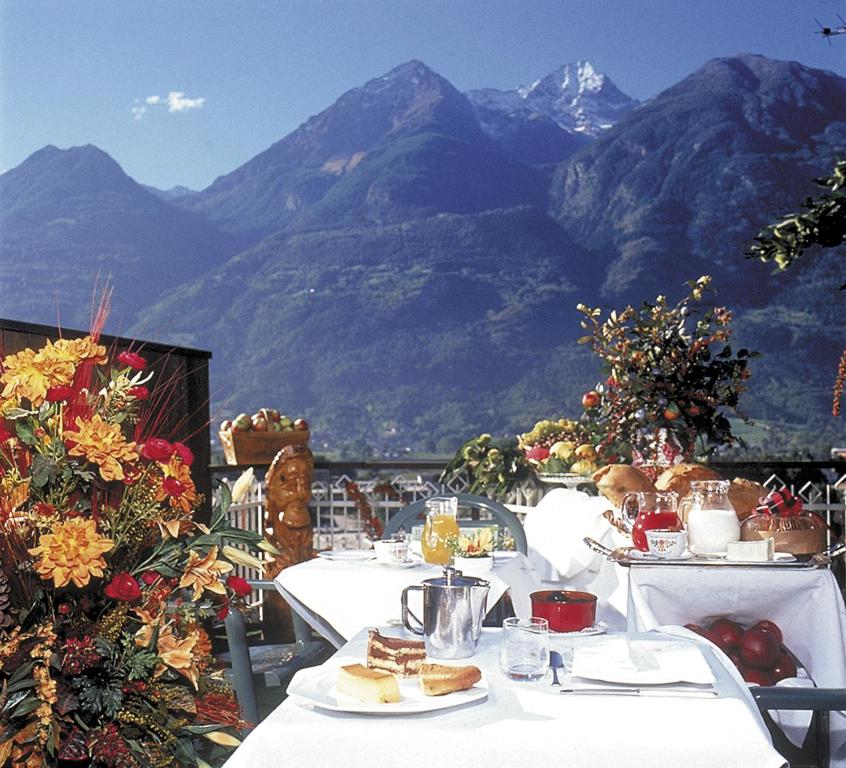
x=613, y=719
x=341, y=592
x=805, y=602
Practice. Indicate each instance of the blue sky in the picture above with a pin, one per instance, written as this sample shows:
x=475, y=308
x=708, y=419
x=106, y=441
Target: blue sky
x=244, y=73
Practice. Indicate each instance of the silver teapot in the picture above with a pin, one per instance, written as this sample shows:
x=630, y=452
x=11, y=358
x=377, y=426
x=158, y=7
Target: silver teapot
x=454, y=606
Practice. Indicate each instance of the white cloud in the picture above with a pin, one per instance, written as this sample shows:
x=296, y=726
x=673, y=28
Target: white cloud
x=138, y=111
x=176, y=102
x=152, y=100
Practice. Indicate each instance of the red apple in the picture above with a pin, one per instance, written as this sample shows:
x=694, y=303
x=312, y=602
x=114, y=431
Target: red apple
x=784, y=667
x=241, y=423
x=226, y=425
x=259, y=423
x=698, y=628
x=771, y=626
x=590, y=399
x=537, y=453
x=756, y=676
x=728, y=631
x=758, y=648
x=301, y=425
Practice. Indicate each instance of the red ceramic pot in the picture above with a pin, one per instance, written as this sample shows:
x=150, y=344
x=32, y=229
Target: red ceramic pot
x=565, y=610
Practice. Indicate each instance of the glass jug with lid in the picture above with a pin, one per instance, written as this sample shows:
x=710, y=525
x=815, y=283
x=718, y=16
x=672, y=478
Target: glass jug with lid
x=650, y=511
x=441, y=525
x=710, y=517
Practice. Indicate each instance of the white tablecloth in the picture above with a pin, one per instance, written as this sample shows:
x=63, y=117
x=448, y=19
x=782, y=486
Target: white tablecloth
x=521, y=724
x=555, y=530
x=339, y=598
x=807, y=605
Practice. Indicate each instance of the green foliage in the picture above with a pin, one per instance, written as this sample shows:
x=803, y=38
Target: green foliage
x=823, y=224
x=492, y=467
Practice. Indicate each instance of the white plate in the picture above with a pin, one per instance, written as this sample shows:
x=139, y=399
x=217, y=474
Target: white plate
x=347, y=555
x=316, y=687
x=412, y=562
x=600, y=628
x=636, y=554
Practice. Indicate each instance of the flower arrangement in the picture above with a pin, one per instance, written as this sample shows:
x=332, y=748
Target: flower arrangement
x=669, y=383
x=491, y=467
x=474, y=542
x=106, y=579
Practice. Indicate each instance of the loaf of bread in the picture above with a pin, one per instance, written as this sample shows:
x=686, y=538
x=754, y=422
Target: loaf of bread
x=368, y=685
x=745, y=496
x=440, y=679
x=616, y=480
x=679, y=477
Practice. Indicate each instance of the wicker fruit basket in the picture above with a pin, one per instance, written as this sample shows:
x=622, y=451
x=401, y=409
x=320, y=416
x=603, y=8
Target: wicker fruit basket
x=258, y=447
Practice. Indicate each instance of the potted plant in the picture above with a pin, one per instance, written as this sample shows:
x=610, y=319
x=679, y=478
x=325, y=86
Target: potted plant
x=672, y=378
x=472, y=550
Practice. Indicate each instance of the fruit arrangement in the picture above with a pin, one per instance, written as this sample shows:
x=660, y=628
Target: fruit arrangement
x=555, y=447
x=264, y=420
x=258, y=438
x=758, y=652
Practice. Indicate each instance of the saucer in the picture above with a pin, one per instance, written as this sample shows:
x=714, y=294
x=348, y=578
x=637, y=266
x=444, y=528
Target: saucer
x=636, y=554
x=600, y=628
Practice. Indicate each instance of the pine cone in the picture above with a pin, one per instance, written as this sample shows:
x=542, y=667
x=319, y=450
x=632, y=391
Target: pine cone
x=7, y=618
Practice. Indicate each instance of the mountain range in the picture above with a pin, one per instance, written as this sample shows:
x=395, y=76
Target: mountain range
x=403, y=268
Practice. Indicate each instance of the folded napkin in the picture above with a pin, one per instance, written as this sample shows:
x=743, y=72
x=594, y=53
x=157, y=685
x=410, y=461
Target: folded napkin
x=642, y=662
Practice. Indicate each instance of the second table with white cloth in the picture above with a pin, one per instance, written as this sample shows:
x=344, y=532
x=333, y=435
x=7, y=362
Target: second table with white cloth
x=339, y=598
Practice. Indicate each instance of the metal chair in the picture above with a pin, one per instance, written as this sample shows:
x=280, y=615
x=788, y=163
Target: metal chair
x=814, y=753
x=267, y=665
x=503, y=516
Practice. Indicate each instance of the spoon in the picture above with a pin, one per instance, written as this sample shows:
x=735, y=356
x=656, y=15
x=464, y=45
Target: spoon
x=556, y=662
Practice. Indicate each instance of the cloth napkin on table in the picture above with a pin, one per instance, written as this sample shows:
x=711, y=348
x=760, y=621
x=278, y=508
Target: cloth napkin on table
x=642, y=662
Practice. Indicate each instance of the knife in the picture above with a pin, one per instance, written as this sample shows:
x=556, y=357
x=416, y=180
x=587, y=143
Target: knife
x=695, y=693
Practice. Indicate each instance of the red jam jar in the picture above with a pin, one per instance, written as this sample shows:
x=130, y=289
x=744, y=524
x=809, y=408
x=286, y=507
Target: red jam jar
x=565, y=610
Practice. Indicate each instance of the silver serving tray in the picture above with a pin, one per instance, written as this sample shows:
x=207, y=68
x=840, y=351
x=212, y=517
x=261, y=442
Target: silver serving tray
x=623, y=556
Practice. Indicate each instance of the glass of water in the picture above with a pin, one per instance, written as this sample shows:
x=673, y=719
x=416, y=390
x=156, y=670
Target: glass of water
x=524, y=653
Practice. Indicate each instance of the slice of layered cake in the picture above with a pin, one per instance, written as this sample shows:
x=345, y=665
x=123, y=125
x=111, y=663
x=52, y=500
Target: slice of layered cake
x=368, y=685
x=395, y=654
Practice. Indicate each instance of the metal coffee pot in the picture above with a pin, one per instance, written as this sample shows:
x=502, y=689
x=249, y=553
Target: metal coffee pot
x=454, y=606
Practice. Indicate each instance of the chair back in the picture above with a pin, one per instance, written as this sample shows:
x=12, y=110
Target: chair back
x=501, y=515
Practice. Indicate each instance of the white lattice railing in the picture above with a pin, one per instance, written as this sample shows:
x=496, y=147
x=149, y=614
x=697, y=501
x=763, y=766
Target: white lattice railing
x=338, y=523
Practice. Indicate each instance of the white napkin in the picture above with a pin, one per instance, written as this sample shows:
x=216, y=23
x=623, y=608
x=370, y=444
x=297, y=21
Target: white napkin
x=642, y=662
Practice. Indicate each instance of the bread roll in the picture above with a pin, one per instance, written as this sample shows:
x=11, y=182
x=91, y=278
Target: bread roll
x=679, y=478
x=439, y=679
x=616, y=480
x=745, y=496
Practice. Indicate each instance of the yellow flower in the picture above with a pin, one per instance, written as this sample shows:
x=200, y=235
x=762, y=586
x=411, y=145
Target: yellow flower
x=84, y=349
x=23, y=378
x=177, y=486
x=204, y=573
x=102, y=443
x=72, y=552
x=173, y=652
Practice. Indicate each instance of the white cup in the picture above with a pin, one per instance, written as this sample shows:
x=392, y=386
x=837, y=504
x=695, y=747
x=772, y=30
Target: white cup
x=391, y=552
x=666, y=545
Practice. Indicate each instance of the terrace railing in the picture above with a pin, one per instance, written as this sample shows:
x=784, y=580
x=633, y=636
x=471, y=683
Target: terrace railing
x=339, y=518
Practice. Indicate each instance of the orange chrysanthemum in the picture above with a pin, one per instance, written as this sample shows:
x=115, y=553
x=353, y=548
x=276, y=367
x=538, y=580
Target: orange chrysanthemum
x=72, y=552
x=24, y=379
x=177, y=487
x=84, y=349
x=204, y=573
x=102, y=443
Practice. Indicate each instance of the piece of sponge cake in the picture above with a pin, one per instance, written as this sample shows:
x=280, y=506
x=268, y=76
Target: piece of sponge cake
x=371, y=686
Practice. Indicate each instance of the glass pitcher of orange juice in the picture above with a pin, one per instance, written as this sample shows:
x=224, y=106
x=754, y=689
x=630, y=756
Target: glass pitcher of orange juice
x=441, y=525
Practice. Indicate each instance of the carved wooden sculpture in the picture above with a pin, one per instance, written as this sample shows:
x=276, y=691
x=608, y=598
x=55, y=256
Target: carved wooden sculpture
x=288, y=493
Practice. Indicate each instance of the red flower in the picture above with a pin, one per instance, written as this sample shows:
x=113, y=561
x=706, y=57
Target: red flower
x=59, y=394
x=150, y=577
x=5, y=433
x=172, y=487
x=132, y=360
x=123, y=587
x=131, y=473
x=184, y=453
x=156, y=449
x=139, y=392
x=224, y=611
x=239, y=585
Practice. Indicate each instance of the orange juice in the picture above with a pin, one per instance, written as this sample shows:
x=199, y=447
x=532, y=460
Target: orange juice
x=437, y=529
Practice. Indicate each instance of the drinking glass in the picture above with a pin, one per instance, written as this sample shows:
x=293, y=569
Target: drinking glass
x=441, y=526
x=524, y=653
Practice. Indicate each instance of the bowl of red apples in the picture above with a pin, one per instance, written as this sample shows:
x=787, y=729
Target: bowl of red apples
x=758, y=652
